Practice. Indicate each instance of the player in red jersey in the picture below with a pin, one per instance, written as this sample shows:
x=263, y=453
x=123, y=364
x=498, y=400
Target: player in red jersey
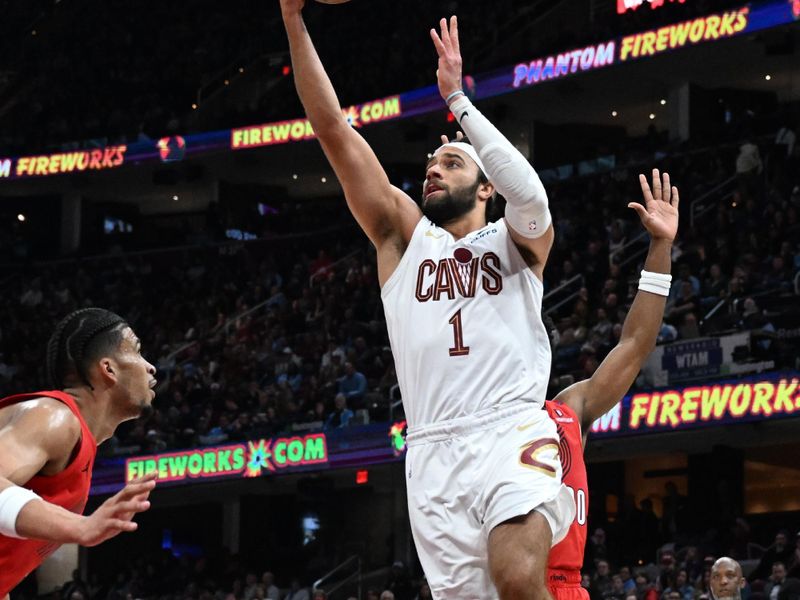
x=577, y=407
x=48, y=441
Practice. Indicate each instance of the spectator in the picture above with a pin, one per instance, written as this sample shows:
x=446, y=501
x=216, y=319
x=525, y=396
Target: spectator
x=297, y=592
x=715, y=285
x=674, y=512
x=596, y=547
x=251, y=584
x=341, y=415
x=629, y=585
x=645, y=589
x=271, y=591
x=749, y=160
x=601, y=582
x=617, y=590
x=689, y=328
x=693, y=565
x=794, y=562
x=667, y=333
x=424, y=592
x=650, y=528
x=704, y=585
x=353, y=384
x=779, y=551
x=683, y=586
x=686, y=301
x=754, y=320
x=777, y=581
x=399, y=583
x=76, y=586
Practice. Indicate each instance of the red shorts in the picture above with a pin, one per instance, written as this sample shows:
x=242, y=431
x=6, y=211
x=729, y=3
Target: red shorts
x=566, y=585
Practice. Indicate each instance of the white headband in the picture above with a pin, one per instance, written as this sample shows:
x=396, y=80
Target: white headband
x=467, y=149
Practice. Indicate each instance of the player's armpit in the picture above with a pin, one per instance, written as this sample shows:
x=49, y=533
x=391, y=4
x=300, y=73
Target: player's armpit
x=43, y=432
x=534, y=251
x=594, y=397
x=575, y=397
x=611, y=381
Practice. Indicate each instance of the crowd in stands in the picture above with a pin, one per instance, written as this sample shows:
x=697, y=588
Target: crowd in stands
x=253, y=339
x=145, y=72
x=81, y=74
x=167, y=577
x=685, y=573
x=743, y=253
x=306, y=350
x=670, y=571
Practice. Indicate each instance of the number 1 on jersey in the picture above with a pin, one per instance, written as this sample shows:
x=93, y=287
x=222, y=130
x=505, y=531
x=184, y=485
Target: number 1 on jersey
x=459, y=349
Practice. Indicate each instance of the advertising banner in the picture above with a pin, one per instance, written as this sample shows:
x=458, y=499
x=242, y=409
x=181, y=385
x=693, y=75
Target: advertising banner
x=710, y=28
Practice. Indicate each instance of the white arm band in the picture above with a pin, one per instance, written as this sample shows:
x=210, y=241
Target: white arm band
x=655, y=283
x=12, y=500
x=512, y=175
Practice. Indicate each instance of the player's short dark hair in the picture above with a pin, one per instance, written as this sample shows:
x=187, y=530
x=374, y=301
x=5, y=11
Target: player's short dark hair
x=80, y=338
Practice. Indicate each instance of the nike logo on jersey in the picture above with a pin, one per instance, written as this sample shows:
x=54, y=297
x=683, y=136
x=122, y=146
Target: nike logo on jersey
x=86, y=468
x=528, y=426
x=433, y=235
x=464, y=115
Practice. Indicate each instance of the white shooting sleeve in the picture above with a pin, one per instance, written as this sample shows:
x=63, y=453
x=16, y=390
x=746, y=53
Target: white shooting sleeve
x=527, y=211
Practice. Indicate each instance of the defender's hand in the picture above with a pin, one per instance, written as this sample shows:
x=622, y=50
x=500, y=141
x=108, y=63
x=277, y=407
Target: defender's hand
x=115, y=514
x=659, y=215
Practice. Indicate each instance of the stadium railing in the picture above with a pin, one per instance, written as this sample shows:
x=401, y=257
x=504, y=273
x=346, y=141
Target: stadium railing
x=571, y=287
x=342, y=576
x=707, y=202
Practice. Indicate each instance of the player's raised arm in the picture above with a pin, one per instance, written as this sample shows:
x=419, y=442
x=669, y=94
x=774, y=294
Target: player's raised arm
x=382, y=210
x=527, y=210
x=597, y=395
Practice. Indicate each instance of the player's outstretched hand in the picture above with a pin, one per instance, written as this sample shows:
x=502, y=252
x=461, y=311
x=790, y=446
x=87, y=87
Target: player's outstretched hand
x=447, y=47
x=116, y=514
x=659, y=214
x=446, y=140
x=292, y=6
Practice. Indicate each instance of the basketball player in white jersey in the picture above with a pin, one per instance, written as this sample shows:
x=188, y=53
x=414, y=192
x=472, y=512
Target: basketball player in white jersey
x=463, y=307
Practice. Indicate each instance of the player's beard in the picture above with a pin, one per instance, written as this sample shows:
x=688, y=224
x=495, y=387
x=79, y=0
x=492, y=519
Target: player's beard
x=146, y=411
x=451, y=205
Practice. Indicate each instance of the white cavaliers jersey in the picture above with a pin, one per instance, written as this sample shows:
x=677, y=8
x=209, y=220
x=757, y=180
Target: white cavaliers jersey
x=465, y=324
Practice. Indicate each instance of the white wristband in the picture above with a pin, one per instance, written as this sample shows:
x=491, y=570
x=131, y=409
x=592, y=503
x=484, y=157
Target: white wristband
x=655, y=283
x=12, y=501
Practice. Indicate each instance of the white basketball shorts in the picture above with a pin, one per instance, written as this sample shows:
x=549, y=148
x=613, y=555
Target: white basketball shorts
x=470, y=474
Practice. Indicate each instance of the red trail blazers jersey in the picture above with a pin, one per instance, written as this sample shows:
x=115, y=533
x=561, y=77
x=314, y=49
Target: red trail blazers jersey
x=68, y=489
x=567, y=555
